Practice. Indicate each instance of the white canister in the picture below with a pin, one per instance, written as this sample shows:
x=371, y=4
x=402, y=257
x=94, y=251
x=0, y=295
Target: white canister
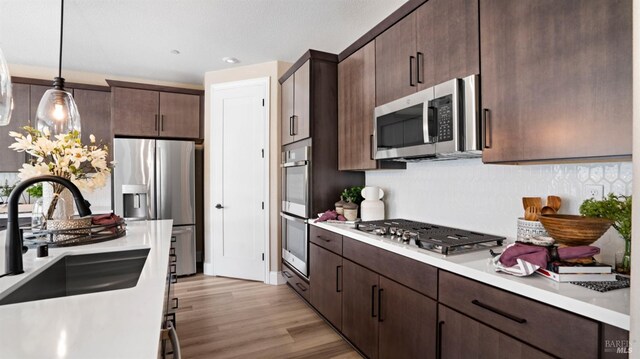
x=372, y=208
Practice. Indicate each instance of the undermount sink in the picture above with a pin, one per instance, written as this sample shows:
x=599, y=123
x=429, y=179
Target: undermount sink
x=82, y=274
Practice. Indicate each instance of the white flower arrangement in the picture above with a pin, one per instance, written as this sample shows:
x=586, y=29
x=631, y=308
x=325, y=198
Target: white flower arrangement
x=64, y=156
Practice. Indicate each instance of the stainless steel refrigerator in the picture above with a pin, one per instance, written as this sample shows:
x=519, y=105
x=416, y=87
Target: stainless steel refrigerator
x=155, y=179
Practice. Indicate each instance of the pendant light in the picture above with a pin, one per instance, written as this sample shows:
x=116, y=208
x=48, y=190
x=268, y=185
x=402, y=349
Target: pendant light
x=57, y=110
x=6, y=98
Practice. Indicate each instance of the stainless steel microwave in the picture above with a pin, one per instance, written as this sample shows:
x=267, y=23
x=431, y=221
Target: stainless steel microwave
x=441, y=122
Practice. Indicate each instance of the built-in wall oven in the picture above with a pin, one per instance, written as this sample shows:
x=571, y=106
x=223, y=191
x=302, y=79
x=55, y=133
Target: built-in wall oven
x=296, y=175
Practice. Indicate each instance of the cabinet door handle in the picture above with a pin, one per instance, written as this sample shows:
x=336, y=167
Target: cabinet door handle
x=373, y=307
x=411, y=60
x=286, y=274
x=302, y=288
x=176, y=303
x=156, y=122
x=371, y=150
x=380, y=304
x=439, y=340
x=338, y=281
x=486, y=127
x=419, y=74
x=295, y=130
x=290, y=125
x=499, y=311
x=172, y=269
x=161, y=122
x=174, y=279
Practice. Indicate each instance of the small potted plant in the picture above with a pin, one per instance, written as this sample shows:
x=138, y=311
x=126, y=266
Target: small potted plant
x=617, y=209
x=353, y=197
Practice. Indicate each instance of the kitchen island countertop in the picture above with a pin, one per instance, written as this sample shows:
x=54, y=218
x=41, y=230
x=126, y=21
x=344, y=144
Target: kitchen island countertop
x=121, y=323
x=611, y=307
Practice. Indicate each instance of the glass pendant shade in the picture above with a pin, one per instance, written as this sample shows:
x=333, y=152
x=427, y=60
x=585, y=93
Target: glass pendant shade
x=57, y=112
x=6, y=98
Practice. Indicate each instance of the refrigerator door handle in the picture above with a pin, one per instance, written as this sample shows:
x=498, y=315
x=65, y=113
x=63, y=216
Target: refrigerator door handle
x=160, y=212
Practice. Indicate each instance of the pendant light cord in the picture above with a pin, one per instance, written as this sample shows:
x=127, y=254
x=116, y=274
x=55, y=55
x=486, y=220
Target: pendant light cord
x=61, y=29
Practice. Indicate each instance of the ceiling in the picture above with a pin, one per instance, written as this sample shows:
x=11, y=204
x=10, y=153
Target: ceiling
x=135, y=37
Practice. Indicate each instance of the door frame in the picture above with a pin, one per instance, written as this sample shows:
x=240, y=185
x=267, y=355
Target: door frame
x=209, y=213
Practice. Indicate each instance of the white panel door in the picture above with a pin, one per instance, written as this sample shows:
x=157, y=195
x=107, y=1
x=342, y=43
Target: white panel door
x=238, y=181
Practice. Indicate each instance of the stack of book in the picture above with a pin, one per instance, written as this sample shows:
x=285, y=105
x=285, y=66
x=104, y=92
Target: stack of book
x=573, y=272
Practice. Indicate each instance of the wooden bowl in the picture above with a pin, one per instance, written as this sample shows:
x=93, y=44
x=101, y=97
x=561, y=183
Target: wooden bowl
x=571, y=230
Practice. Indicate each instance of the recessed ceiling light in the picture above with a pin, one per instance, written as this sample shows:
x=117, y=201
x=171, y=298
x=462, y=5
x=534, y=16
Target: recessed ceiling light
x=175, y=52
x=230, y=60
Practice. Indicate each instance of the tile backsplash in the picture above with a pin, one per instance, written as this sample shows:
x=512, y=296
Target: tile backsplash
x=488, y=198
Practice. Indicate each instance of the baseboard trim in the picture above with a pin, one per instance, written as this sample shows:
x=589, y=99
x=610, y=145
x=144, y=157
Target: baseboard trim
x=207, y=268
x=276, y=278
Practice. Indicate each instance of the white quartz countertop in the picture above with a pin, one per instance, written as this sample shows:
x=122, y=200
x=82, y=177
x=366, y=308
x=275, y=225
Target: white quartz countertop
x=610, y=307
x=121, y=323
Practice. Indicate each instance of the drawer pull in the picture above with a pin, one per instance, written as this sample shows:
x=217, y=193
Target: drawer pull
x=338, y=281
x=176, y=303
x=286, y=274
x=380, y=304
x=174, y=279
x=499, y=312
x=302, y=288
x=324, y=239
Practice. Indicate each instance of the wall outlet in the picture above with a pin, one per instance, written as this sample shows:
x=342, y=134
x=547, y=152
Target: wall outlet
x=595, y=191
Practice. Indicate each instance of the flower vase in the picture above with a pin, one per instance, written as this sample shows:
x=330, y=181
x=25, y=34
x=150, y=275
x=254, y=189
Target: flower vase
x=623, y=266
x=63, y=208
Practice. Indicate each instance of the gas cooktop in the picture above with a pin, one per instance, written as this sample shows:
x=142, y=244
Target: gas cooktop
x=434, y=238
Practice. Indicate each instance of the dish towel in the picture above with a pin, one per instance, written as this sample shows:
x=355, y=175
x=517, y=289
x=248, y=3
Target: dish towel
x=522, y=260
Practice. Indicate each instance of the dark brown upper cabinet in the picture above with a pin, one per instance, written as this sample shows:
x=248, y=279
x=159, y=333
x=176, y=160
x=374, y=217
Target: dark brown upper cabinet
x=140, y=110
x=95, y=114
x=447, y=41
x=435, y=43
x=556, y=79
x=295, y=105
x=11, y=160
x=356, y=105
x=396, y=61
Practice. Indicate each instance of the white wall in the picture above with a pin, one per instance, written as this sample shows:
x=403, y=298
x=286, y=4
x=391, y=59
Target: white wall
x=488, y=198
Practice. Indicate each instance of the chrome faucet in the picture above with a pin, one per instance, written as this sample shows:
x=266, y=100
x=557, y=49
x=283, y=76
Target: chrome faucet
x=13, y=244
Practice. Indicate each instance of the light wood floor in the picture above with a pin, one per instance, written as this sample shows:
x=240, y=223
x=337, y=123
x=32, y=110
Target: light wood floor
x=229, y=318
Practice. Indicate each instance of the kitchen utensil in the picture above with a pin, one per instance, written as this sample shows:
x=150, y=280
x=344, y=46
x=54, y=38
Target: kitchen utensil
x=532, y=202
x=531, y=213
x=554, y=202
x=572, y=230
x=548, y=210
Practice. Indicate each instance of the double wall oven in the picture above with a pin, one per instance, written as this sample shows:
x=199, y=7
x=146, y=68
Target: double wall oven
x=296, y=198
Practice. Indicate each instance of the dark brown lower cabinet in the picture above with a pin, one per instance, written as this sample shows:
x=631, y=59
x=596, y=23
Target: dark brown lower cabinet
x=326, y=295
x=461, y=337
x=385, y=319
x=407, y=320
x=360, y=307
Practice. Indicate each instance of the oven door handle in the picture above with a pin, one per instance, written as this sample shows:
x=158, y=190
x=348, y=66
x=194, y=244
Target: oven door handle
x=294, y=164
x=292, y=218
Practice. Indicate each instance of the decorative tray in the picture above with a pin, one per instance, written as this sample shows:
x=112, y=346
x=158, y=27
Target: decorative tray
x=76, y=236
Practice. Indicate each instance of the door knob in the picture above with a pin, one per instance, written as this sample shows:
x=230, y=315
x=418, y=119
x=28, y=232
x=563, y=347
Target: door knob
x=219, y=206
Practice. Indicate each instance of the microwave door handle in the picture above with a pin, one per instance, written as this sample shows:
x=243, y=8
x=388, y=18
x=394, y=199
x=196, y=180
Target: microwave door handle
x=430, y=128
